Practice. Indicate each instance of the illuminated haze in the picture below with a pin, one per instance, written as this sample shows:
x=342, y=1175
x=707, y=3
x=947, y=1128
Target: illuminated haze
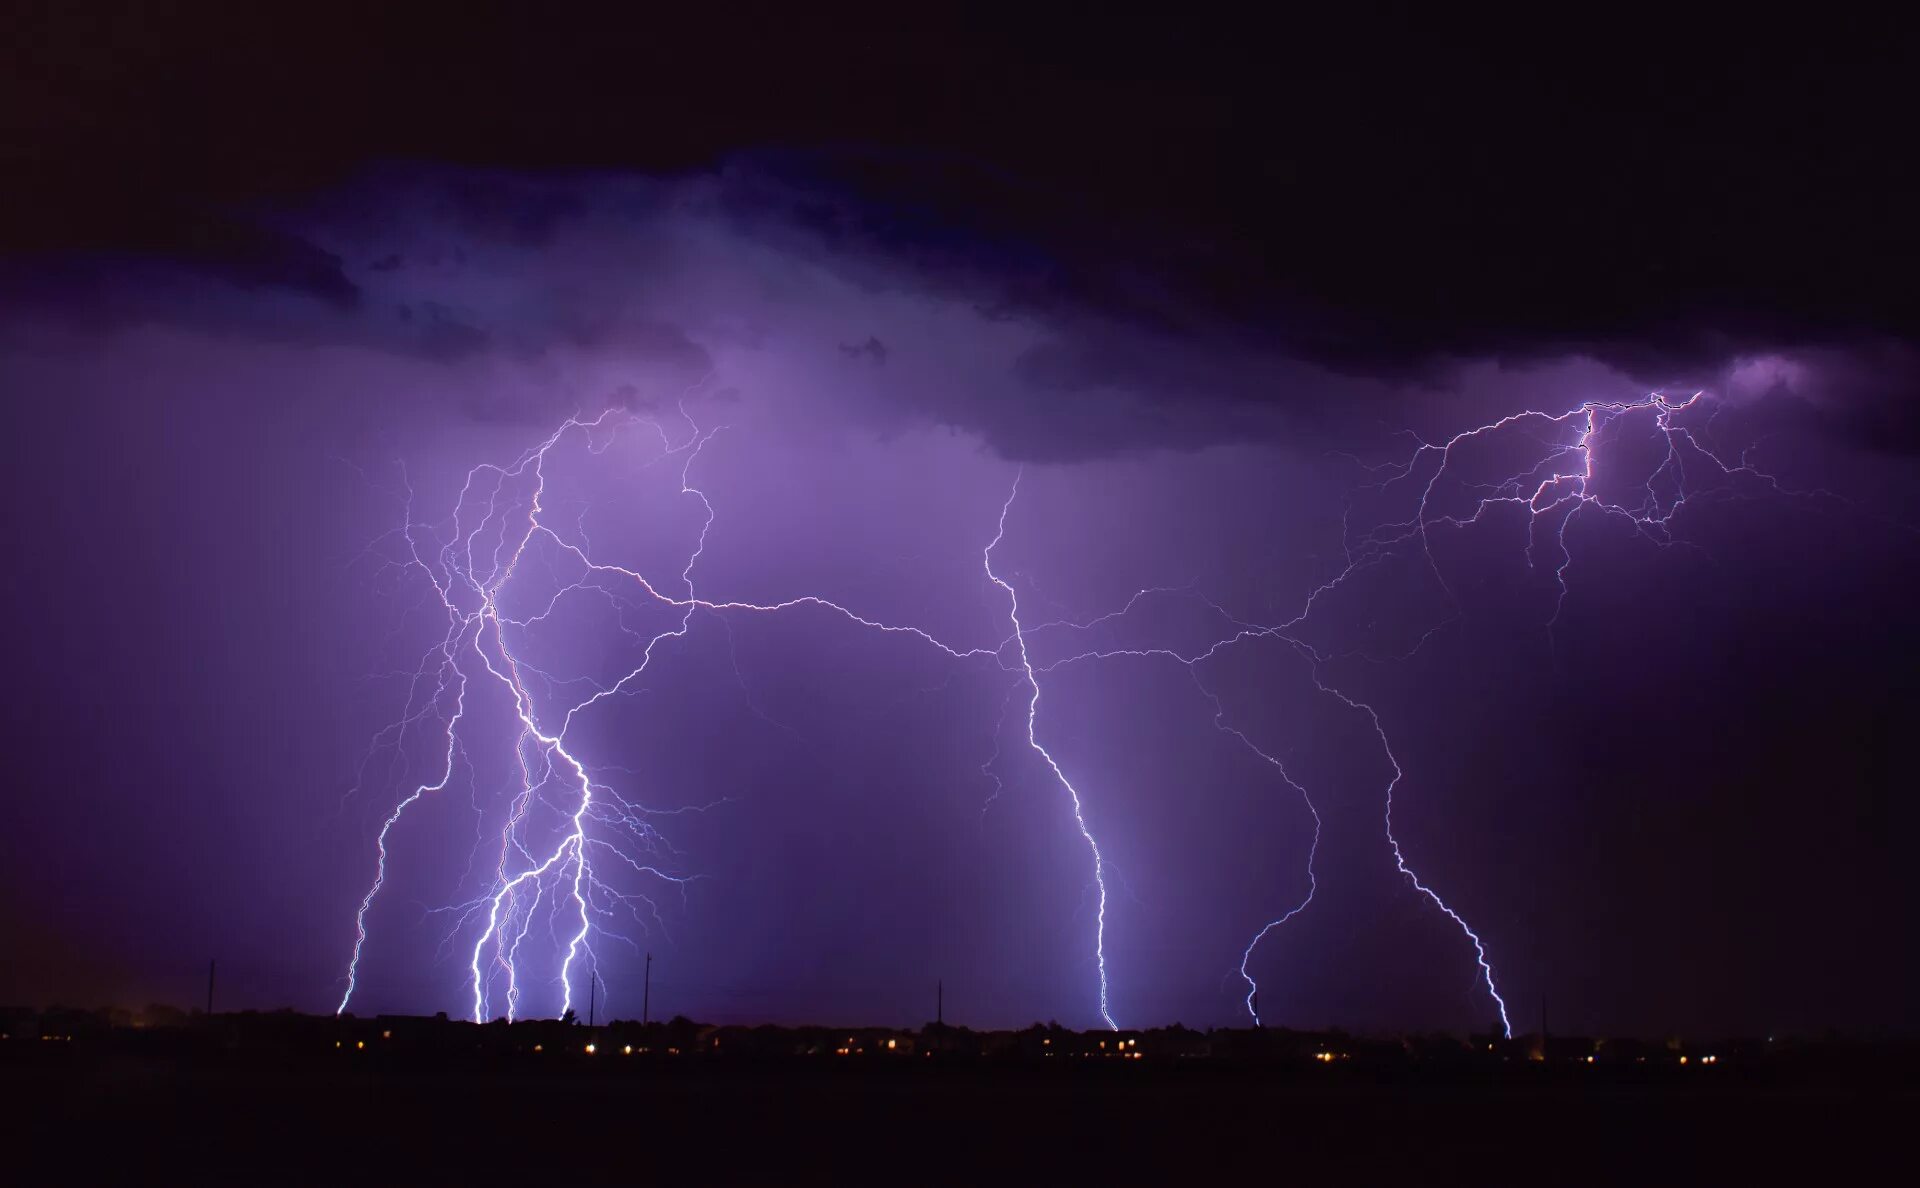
x=1680, y=807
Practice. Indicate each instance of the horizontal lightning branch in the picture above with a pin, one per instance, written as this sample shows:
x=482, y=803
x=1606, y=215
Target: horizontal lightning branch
x=470, y=569
x=567, y=877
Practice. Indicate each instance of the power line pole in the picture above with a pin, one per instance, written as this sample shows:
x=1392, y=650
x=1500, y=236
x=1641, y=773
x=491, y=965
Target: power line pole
x=646, y=994
x=940, y=1002
x=210, y=966
x=593, y=992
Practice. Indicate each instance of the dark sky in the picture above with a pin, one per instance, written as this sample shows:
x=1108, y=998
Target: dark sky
x=274, y=282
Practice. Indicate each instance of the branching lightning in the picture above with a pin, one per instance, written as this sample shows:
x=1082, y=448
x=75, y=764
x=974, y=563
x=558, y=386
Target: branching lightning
x=1562, y=482
x=470, y=569
x=500, y=526
x=1033, y=740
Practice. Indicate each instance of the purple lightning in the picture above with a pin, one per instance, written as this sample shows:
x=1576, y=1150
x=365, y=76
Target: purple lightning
x=1033, y=740
x=1553, y=496
x=499, y=525
x=470, y=568
x=1554, y=488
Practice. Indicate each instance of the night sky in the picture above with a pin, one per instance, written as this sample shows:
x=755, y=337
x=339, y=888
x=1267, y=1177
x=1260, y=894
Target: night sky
x=822, y=292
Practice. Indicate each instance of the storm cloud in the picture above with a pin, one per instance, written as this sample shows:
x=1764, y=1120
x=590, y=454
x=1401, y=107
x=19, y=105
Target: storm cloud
x=1202, y=292
x=562, y=293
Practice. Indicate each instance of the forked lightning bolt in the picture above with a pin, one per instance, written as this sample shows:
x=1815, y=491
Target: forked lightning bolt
x=1558, y=484
x=499, y=523
x=1033, y=740
x=470, y=568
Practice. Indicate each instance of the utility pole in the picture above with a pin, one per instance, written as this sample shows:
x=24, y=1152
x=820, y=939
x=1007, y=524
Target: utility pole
x=593, y=992
x=210, y=967
x=940, y=1002
x=646, y=994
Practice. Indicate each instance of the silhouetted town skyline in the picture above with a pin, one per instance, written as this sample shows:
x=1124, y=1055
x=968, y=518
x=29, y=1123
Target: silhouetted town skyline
x=408, y=1039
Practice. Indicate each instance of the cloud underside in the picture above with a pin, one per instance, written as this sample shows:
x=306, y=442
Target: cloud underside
x=817, y=301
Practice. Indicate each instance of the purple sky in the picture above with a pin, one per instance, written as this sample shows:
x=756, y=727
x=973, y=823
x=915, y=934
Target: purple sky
x=273, y=285
x=1680, y=809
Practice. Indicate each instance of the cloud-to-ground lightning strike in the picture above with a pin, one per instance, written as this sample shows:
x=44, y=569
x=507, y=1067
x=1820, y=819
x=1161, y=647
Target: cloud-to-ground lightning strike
x=1033, y=740
x=1313, y=850
x=1552, y=489
x=496, y=526
x=470, y=570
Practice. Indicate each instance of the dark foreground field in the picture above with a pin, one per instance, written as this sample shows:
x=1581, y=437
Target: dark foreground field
x=122, y=1117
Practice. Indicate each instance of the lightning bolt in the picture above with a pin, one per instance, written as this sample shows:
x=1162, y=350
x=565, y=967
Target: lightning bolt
x=499, y=528
x=470, y=569
x=1560, y=484
x=1033, y=741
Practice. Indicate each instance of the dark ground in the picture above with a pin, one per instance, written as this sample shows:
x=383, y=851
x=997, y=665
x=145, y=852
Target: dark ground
x=120, y=1117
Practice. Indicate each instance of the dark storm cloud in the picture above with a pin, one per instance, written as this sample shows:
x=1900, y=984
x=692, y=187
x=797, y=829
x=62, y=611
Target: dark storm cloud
x=253, y=257
x=615, y=281
x=1874, y=390
x=615, y=284
x=1323, y=217
x=872, y=349
x=998, y=318
x=1194, y=259
x=218, y=256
